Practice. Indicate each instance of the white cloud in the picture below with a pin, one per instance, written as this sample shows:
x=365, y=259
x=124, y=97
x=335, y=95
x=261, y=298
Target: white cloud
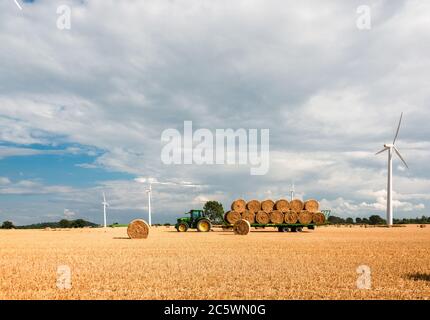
x=4, y=180
x=69, y=213
x=30, y=187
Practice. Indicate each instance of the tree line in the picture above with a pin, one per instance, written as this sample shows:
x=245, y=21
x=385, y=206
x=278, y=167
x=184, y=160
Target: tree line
x=375, y=220
x=64, y=223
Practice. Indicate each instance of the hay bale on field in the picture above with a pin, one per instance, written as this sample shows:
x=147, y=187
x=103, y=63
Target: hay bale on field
x=238, y=205
x=241, y=227
x=282, y=205
x=312, y=205
x=296, y=205
x=305, y=217
x=253, y=206
x=422, y=225
x=232, y=217
x=267, y=206
x=248, y=216
x=138, y=229
x=318, y=218
x=276, y=217
x=291, y=217
x=262, y=217
x=48, y=229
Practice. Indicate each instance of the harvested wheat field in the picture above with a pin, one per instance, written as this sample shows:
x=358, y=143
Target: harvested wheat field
x=265, y=264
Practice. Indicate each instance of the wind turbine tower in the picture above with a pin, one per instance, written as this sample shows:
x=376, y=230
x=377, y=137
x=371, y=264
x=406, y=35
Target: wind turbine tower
x=105, y=205
x=292, y=191
x=149, y=191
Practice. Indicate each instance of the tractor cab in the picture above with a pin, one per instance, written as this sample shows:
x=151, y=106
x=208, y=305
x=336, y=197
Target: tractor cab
x=196, y=220
x=196, y=214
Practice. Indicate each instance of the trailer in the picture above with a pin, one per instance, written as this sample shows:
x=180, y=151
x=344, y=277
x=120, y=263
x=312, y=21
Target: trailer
x=245, y=226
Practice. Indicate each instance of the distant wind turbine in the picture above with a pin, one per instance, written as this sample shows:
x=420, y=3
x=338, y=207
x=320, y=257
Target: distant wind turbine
x=105, y=205
x=292, y=191
x=149, y=191
x=391, y=147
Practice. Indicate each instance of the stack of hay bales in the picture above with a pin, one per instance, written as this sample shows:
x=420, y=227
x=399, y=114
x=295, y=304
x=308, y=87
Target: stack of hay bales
x=279, y=212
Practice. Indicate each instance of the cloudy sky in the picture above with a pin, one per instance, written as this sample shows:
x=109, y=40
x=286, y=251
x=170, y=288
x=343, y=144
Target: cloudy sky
x=82, y=110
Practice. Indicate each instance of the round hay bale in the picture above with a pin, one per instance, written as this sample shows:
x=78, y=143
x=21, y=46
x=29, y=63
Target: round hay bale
x=253, y=206
x=241, y=227
x=305, y=217
x=262, y=217
x=296, y=205
x=232, y=217
x=138, y=229
x=312, y=205
x=276, y=217
x=267, y=206
x=248, y=216
x=48, y=229
x=318, y=218
x=238, y=205
x=291, y=217
x=282, y=205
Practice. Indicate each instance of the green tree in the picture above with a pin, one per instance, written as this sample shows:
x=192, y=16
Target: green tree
x=78, y=223
x=349, y=221
x=7, y=225
x=358, y=220
x=375, y=219
x=336, y=220
x=214, y=211
x=64, y=223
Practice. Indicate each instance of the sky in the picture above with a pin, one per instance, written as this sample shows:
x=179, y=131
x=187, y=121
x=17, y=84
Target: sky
x=82, y=110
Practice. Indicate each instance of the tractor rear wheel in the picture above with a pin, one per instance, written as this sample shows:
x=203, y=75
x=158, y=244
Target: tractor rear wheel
x=182, y=227
x=204, y=225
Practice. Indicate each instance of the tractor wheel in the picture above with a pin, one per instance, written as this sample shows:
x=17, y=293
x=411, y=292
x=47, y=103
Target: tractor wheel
x=204, y=225
x=284, y=229
x=182, y=227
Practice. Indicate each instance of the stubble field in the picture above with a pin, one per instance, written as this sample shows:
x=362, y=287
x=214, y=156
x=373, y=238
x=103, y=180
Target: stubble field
x=319, y=264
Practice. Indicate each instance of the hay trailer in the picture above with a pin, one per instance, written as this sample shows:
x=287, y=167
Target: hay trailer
x=284, y=215
x=196, y=220
x=243, y=226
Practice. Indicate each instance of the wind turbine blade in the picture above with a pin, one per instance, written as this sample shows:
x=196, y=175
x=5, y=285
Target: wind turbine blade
x=386, y=148
x=398, y=128
x=400, y=156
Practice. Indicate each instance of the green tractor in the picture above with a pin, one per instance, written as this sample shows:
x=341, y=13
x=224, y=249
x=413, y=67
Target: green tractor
x=196, y=220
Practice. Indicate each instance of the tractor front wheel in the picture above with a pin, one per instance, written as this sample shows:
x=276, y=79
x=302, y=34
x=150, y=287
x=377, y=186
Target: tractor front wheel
x=204, y=225
x=182, y=227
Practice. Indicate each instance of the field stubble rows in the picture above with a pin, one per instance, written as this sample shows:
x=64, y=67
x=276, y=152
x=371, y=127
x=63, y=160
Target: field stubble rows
x=319, y=264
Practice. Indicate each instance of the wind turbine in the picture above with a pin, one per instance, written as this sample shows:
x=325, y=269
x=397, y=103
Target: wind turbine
x=292, y=191
x=105, y=204
x=391, y=147
x=148, y=191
